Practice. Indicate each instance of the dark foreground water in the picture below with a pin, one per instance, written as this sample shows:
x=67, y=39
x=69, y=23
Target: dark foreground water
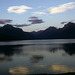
x=37, y=57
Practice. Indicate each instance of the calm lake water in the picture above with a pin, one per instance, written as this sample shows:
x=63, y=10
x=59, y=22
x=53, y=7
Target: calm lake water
x=37, y=57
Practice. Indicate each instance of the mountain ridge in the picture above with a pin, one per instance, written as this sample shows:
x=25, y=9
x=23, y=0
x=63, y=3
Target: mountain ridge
x=66, y=32
x=8, y=32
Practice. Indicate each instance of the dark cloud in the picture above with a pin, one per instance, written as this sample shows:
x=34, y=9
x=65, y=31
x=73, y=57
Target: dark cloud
x=4, y=21
x=21, y=25
x=67, y=21
x=35, y=20
x=63, y=22
x=33, y=17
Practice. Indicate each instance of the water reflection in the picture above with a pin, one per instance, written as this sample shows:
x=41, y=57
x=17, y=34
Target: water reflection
x=5, y=58
x=6, y=52
x=61, y=68
x=10, y=50
x=36, y=58
x=40, y=65
x=19, y=71
x=55, y=47
x=18, y=49
x=68, y=48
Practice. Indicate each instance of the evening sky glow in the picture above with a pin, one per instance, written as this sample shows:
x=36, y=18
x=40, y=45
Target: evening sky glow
x=46, y=12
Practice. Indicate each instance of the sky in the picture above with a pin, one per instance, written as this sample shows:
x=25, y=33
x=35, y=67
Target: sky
x=35, y=15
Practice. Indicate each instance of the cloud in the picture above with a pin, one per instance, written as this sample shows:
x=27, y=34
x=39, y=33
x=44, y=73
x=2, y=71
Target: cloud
x=18, y=9
x=35, y=20
x=21, y=25
x=3, y=21
x=67, y=21
x=61, y=8
x=63, y=22
x=38, y=13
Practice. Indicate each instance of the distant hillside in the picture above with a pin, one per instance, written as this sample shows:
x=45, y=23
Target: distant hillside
x=8, y=32
x=67, y=32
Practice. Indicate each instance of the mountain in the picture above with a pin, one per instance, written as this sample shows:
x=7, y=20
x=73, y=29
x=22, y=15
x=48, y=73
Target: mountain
x=67, y=32
x=48, y=33
x=8, y=32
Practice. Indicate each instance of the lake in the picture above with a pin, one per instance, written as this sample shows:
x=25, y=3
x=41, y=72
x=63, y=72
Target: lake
x=37, y=57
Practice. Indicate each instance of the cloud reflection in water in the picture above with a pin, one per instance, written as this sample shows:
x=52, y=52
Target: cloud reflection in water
x=61, y=68
x=40, y=65
x=19, y=71
x=36, y=58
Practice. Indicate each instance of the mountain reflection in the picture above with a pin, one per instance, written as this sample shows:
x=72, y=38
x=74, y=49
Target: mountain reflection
x=68, y=48
x=55, y=47
x=5, y=59
x=6, y=52
x=10, y=50
x=37, y=59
